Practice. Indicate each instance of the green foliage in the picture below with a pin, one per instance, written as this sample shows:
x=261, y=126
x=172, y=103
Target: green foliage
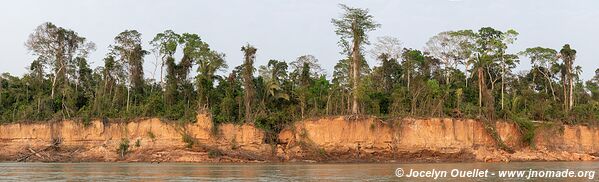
x=151, y=135
x=138, y=143
x=527, y=129
x=123, y=147
x=462, y=74
x=214, y=153
x=86, y=121
x=188, y=139
x=272, y=124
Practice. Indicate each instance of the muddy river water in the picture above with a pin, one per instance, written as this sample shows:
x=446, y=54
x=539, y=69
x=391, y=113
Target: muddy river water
x=534, y=171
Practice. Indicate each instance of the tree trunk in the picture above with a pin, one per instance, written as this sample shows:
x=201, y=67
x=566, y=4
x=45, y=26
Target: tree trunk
x=466, y=74
x=480, y=89
x=409, y=80
x=551, y=87
x=0, y=90
x=248, y=108
x=328, y=102
x=128, y=93
x=571, y=91
x=302, y=105
x=356, y=75
x=348, y=102
x=548, y=81
x=502, y=81
x=54, y=80
x=564, y=80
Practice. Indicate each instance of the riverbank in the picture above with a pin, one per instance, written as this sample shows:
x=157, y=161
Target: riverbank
x=332, y=139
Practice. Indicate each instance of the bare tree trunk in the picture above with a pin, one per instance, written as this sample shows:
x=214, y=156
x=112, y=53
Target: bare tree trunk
x=239, y=106
x=548, y=81
x=564, y=80
x=302, y=105
x=466, y=73
x=247, y=99
x=480, y=90
x=128, y=93
x=58, y=72
x=571, y=91
x=356, y=76
x=348, y=102
x=161, y=76
x=502, y=82
x=409, y=79
x=551, y=87
x=328, y=102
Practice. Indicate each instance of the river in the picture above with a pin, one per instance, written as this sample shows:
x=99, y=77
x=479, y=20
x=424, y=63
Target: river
x=284, y=172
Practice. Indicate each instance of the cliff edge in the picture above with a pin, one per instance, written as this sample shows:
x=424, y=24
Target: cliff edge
x=336, y=139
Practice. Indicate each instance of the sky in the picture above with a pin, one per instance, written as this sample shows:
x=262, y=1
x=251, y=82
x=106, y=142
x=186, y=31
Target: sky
x=287, y=29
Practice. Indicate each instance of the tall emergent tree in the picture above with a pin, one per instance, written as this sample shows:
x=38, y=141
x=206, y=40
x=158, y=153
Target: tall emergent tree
x=249, y=54
x=391, y=46
x=58, y=48
x=127, y=47
x=447, y=47
x=542, y=60
x=568, y=55
x=208, y=64
x=353, y=26
x=490, y=57
x=165, y=44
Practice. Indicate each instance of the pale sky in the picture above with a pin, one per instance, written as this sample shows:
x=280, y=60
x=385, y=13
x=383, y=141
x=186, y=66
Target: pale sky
x=285, y=30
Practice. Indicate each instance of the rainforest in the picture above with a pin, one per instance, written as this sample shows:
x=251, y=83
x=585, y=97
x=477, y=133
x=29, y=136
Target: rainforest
x=460, y=74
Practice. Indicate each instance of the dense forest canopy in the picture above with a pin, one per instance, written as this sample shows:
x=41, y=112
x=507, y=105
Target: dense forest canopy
x=459, y=73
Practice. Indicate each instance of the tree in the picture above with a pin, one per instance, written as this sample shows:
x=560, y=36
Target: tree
x=411, y=58
x=127, y=47
x=297, y=65
x=466, y=40
x=57, y=48
x=568, y=55
x=446, y=46
x=194, y=50
x=542, y=60
x=354, y=24
x=487, y=40
x=490, y=58
x=304, y=70
x=249, y=53
x=113, y=74
x=389, y=73
x=391, y=46
x=304, y=84
x=208, y=65
x=506, y=61
x=165, y=44
x=274, y=73
x=593, y=86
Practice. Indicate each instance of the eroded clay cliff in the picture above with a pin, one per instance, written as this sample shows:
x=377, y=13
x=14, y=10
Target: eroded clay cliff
x=324, y=139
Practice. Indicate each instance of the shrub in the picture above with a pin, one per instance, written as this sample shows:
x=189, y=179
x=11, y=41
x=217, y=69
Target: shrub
x=234, y=144
x=213, y=153
x=151, y=135
x=123, y=147
x=272, y=124
x=527, y=128
x=86, y=121
x=188, y=139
